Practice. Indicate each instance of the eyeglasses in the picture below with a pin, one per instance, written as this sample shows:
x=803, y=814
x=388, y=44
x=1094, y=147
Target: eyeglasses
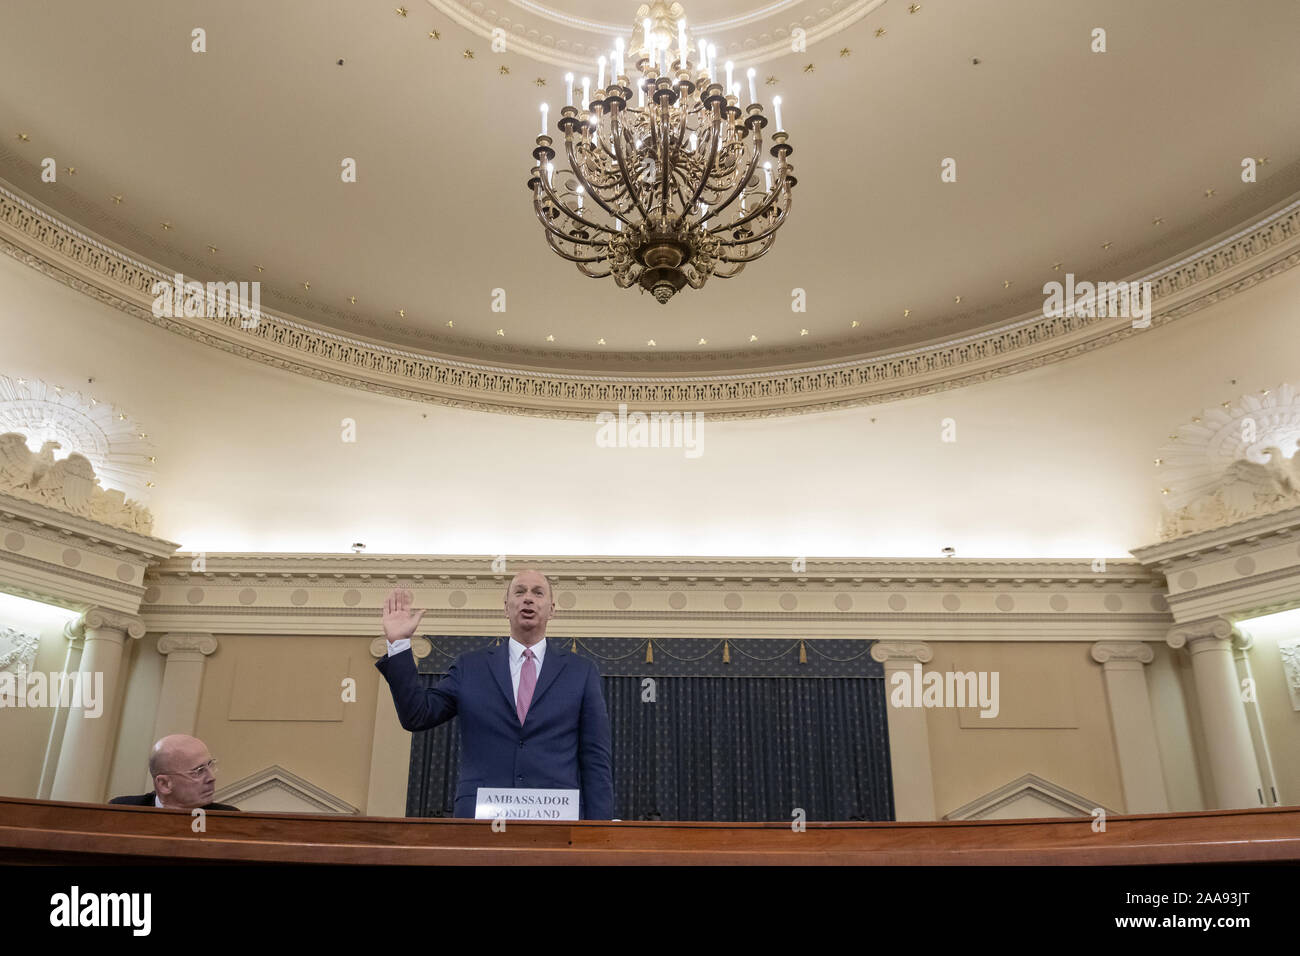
x=198, y=772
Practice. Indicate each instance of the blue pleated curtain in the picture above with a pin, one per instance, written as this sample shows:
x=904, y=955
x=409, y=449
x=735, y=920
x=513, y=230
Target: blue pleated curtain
x=737, y=730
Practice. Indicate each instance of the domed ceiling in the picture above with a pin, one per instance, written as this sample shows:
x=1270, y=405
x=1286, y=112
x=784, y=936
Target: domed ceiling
x=225, y=164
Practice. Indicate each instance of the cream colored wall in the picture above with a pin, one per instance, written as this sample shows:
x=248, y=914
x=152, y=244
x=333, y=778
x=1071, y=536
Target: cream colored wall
x=1281, y=722
x=1053, y=722
x=290, y=710
x=25, y=732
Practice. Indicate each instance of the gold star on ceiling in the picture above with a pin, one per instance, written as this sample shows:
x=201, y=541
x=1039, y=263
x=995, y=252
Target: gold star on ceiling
x=401, y=313
x=70, y=170
x=803, y=331
x=213, y=250
x=702, y=342
x=540, y=81
x=117, y=200
x=753, y=338
x=600, y=341
x=651, y=342
x=810, y=68
x=435, y=35
x=1209, y=193
x=1056, y=266
x=957, y=299
x=501, y=331
x=503, y=70
x=24, y=138
x=906, y=313
x=166, y=226
x=260, y=268
x=1158, y=220
x=913, y=8
x=1263, y=160
x=846, y=52
x=401, y=11
x=352, y=300
x=772, y=81
x=1159, y=461
x=1107, y=245
x=880, y=32
x=306, y=286
x=1006, y=283
x=550, y=338
x=451, y=324
x=468, y=54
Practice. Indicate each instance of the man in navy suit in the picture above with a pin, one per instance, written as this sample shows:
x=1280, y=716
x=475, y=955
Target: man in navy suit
x=531, y=714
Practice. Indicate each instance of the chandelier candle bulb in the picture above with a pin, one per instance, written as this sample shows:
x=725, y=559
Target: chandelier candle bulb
x=649, y=40
x=568, y=89
x=753, y=90
x=600, y=75
x=730, y=69
x=713, y=61
x=681, y=41
x=586, y=94
x=704, y=56
x=545, y=109
x=776, y=106
x=618, y=58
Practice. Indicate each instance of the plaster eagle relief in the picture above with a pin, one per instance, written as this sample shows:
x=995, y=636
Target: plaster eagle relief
x=67, y=484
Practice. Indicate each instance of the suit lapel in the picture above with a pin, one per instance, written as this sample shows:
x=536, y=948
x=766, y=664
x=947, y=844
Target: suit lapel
x=555, y=660
x=499, y=664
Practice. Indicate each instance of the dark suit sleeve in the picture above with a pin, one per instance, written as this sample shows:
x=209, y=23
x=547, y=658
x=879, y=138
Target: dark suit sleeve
x=419, y=708
x=597, y=777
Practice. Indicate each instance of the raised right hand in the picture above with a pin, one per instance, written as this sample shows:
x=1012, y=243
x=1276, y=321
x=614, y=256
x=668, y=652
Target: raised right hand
x=400, y=621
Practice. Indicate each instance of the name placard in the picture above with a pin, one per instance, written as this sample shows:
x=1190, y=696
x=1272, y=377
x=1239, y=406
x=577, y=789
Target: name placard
x=522, y=803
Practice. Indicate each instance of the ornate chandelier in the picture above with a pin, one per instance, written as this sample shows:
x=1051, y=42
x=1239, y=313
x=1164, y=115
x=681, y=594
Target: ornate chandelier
x=669, y=191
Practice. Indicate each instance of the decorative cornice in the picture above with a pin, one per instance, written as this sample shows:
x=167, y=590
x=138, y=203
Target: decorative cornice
x=573, y=50
x=1251, y=255
x=204, y=644
x=17, y=647
x=1103, y=652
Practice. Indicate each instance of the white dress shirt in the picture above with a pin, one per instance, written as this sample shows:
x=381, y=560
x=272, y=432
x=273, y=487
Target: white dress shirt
x=516, y=658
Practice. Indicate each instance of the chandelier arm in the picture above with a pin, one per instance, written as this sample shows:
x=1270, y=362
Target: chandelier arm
x=600, y=200
x=572, y=214
x=713, y=155
x=552, y=230
x=777, y=223
x=768, y=202
x=617, y=128
x=594, y=275
x=551, y=241
x=737, y=190
x=767, y=244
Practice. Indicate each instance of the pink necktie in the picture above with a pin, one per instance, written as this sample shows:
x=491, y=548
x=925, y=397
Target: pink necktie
x=527, y=684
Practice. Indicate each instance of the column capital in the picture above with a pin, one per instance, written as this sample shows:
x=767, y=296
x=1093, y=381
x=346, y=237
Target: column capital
x=1202, y=633
x=1103, y=652
x=187, y=642
x=103, y=618
x=887, y=651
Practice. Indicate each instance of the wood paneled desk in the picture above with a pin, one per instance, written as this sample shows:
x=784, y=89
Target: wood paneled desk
x=43, y=831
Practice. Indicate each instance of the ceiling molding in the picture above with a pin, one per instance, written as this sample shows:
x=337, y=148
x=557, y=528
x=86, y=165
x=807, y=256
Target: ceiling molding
x=574, y=43
x=1251, y=254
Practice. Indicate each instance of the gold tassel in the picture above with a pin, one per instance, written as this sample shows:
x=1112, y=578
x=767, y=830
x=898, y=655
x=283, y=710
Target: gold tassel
x=726, y=653
x=574, y=648
x=649, y=652
x=803, y=653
